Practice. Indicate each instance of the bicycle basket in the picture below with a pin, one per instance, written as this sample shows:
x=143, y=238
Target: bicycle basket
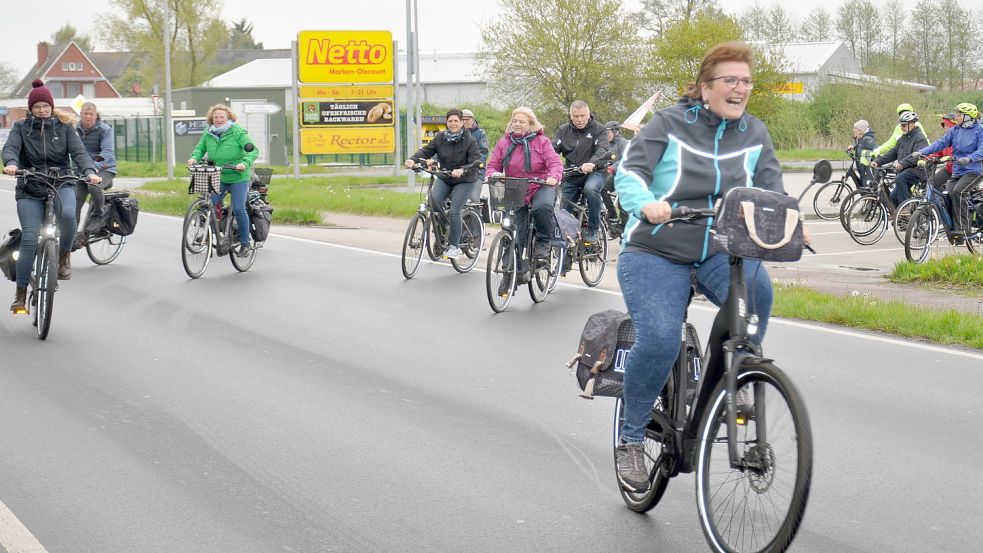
x=759, y=224
x=205, y=180
x=507, y=193
x=262, y=175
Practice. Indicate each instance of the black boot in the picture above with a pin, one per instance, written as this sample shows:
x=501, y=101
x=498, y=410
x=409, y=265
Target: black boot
x=65, y=266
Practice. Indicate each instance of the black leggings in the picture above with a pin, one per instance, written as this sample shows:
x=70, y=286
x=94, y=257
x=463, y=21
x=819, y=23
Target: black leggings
x=83, y=189
x=959, y=192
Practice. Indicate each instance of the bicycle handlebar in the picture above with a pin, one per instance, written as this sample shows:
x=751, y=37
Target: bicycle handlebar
x=48, y=176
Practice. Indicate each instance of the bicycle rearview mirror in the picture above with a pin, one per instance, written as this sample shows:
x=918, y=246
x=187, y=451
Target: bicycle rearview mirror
x=249, y=147
x=822, y=171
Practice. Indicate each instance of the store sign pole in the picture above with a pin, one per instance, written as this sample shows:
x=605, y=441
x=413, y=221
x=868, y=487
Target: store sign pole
x=296, y=112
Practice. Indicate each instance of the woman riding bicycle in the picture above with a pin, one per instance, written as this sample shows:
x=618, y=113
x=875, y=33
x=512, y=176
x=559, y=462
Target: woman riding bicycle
x=41, y=142
x=687, y=155
x=457, y=152
x=224, y=143
x=526, y=152
x=966, y=139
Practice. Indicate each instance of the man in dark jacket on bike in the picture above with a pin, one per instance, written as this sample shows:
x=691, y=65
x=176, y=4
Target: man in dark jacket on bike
x=909, y=173
x=583, y=142
x=471, y=125
x=456, y=151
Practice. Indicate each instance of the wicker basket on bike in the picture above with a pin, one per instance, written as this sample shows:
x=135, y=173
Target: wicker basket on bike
x=759, y=224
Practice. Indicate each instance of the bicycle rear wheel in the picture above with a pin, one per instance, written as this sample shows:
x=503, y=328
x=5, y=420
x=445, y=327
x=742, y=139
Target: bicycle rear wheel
x=923, y=230
x=414, y=243
x=472, y=238
x=500, y=273
x=46, y=284
x=903, y=214
x=829, y=197
x=593, y=258
x=104, y=248
x=644, y=501
x=758, y=506
x=867, y=220
x=845, y=206
x=196, y=242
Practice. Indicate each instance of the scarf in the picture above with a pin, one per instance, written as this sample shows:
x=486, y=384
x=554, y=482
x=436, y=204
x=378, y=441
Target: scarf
x=527, y=154
x=453, y=137
x=219, y=131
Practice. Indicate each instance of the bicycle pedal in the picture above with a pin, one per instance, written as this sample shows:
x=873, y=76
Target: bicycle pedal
x=23, y=311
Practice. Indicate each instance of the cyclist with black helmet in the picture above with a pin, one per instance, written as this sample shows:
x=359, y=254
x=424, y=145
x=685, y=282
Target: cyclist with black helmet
x=966, y=139
x=886, y=147
x=906, y=166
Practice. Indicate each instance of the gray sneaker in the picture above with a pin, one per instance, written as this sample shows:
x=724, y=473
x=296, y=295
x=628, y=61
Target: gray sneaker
x=630, y=460
x=453, y=251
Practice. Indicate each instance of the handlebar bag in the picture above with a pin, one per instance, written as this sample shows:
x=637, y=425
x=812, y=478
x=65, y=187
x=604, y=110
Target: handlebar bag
x=9, y=245
x=759, y=224
x=123, y=215
x=600, y=360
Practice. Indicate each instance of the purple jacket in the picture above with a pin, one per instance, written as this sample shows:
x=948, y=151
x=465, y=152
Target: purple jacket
x=546, y=162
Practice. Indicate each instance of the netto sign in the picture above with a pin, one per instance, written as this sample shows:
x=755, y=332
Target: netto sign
x=345, y=56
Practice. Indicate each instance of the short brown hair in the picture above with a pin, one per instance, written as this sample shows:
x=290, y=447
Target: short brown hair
x=727, y=51
x=454, y=111
x=223, y=107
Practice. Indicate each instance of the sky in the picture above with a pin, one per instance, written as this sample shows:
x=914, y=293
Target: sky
x=276, y=28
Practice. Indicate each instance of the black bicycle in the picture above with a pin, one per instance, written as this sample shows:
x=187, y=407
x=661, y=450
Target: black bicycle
x=101, y=244
x=44, y=277
x=429, y=229
x=742, y=428
x=506, y=270
x=591, y=256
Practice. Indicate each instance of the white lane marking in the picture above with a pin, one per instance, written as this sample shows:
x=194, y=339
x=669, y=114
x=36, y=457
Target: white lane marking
x=852, y=334
x=14, y=536
x=856, y=251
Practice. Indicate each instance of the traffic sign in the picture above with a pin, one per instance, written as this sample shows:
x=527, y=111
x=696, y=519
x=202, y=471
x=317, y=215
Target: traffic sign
x=265, y=109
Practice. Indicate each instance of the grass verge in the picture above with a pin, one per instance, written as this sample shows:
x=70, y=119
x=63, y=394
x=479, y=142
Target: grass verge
x=894, y=316
x=159, y=169
x=809, y=154
x=957, y=271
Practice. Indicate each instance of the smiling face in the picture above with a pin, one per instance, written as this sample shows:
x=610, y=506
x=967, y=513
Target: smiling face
x=453, y=123
x=520, y=123
x=727, y=101
x=220, y=117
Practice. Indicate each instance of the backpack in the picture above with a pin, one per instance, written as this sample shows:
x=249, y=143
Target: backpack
x=600, y=361
x=122, y=215
x=9, y=245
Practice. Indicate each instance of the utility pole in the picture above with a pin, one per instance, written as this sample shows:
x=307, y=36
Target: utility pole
x=168, y=125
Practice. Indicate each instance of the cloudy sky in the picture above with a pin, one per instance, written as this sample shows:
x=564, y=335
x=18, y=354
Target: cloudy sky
x=276, y=28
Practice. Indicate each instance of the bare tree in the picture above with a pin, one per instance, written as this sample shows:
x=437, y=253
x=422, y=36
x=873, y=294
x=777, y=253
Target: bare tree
x=857, y=21
x=659, y=15
x=773, y=25
x=818, y=26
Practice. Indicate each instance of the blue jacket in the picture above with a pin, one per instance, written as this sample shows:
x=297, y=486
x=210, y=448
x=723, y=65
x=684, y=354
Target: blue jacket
x=689, y=156
x=965, y=142
x=99, y=141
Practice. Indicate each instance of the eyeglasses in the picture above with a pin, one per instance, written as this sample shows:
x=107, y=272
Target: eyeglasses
x=732, y=81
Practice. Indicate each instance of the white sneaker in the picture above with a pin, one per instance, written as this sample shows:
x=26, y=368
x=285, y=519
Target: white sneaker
x=453, y=251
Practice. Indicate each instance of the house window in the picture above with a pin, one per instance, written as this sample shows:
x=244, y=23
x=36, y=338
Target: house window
x=71, y=66
x=71, y=90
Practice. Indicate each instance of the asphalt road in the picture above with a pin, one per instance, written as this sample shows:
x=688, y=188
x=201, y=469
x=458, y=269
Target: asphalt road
x=320, y=402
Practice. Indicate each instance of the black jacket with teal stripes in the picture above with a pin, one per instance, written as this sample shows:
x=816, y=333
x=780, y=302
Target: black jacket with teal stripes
x=689, y=156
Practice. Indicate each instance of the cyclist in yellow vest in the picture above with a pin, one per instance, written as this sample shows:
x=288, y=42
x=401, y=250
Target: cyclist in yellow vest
x=893, y=141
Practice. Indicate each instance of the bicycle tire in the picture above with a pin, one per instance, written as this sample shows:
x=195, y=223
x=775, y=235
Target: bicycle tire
x=974, y=243
x=105, y=248
x=500, y=270
x=593, y=258
x=47, y=283
x=867, y=220
x=539, y=282
x=845, y=206
x=903, y=214
x=642, y=502
x=557, y=257
x=774, y=499
x=434, y=243
x=196, y=240
x=828, y=198
x=414, y=243
x=923, y=230
x=241, y=264
x=472, y=239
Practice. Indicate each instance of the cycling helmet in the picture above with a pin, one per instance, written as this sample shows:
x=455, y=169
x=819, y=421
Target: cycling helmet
x=612, y=126
x=904, y=107
x=968, y=109
x=908, y=117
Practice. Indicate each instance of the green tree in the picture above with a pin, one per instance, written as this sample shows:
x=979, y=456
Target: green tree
x=241, y=36
x=658, y=15
x=542, y=54
x=196, y=34
x=68, y=33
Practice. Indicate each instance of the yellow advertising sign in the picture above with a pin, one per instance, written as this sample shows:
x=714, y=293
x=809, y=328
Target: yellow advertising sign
x=790, y=88
x=345, y=56
x=348, y=140
x=342, y=92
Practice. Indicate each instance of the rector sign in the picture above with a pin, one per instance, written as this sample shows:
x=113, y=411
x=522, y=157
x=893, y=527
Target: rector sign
x=345, y=57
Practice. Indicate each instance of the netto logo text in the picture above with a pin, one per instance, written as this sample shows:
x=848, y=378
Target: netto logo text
x=322, y=52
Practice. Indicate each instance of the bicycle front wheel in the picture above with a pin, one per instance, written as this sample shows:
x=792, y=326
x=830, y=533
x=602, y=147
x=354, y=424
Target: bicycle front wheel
x=757, y=506
x=472, y=238
x=47, y=283
x=845, y=207
x=196, y=243
x=105, y=248
x=921, y=234
x=867, y=220
x=413, y=245
x=500, y=273
x=903, y=214
x=829, y=197
x=593, y=258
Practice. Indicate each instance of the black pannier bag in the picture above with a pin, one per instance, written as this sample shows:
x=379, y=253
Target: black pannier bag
x=260, y=217
x=600, y=360
x=9, y=245
x=122, y=215
x=759, y=224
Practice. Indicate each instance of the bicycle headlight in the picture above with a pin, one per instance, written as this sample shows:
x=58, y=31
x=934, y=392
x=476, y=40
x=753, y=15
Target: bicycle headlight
x=49, y=230
x=506, y=222
x=752, y=325
x=16, y=255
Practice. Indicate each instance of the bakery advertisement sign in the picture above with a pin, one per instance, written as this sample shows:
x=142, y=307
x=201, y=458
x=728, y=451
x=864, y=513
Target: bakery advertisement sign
x=345, y=57
x=346, y=113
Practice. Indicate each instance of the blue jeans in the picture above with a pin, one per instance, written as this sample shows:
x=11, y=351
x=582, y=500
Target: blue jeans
x=239, y=191
x=542, y=215
x=902, y=186
x=590, y=187
x=459, y=194
x=30, y=211
x=656, y=290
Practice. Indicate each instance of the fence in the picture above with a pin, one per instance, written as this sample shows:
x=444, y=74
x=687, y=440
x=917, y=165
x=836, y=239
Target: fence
x=138, y=138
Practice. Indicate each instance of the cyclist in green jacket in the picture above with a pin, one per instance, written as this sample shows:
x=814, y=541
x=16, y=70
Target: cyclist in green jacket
x=224, y=143
x=893, y=141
